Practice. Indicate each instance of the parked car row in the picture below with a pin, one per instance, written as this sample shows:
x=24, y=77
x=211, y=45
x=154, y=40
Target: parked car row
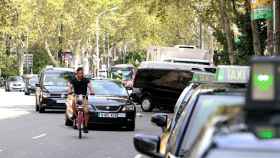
x=234, y=115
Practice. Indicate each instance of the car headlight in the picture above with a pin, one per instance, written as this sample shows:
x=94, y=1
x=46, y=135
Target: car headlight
x=128, y=108
x=46, y=94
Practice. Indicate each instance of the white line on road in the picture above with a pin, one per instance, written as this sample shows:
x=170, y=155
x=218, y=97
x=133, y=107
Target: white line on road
x=39, y=136
x=138, y=156
x=1, y=150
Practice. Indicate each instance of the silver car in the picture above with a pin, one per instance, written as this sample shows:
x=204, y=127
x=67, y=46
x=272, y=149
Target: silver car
x=14, y=83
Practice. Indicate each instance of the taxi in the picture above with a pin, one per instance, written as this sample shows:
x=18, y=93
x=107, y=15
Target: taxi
x=161, y=119
x=204, y=100
x=252, y=131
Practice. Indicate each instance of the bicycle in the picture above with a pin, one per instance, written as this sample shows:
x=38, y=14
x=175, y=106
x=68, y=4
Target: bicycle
x=81, y=115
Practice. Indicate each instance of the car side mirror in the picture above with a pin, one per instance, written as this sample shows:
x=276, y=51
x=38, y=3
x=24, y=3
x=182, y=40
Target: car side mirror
x=37, y=85
x=160, y=120
x=147, y=145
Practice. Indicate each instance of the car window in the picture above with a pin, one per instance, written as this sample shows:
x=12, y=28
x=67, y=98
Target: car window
x=181, y=104
x=205, y=106
x=56, y=79
x=127, y=73
x=179, y=127
x=108, y=88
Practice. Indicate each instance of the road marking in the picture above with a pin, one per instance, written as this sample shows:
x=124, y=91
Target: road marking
x=39, y=136
x=138, y=156
x=1, y=150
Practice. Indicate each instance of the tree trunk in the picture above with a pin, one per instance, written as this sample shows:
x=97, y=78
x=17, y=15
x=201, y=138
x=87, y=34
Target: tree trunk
x=226, y=26
x=269, y=37
x=256, y=39
x=50, y=54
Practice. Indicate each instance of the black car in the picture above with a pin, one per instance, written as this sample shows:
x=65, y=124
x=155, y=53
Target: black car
x=159, y=84
x=51, y=91
x=30, y=84
x=111, y=105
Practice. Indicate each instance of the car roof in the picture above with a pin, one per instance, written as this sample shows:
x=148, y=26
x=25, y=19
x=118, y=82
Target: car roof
x=187, y=59
x=123, y=66
x=170, y=66
x=59, y=69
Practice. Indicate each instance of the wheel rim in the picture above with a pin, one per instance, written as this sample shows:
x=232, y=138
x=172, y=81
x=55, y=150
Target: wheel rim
x=146, y=104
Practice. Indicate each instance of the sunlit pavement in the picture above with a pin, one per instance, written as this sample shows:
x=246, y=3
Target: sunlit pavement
x=27, y=134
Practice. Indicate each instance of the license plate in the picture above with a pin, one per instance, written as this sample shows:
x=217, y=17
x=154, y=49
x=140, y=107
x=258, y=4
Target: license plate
x=111, y=115
x=61, y=101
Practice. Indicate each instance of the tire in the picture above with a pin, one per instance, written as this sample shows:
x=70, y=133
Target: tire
x=68, y=122
x=131, y=126
x=41, y=109
x=146, y=104
x=36, y=108
x=80, y=133
x=26, y=93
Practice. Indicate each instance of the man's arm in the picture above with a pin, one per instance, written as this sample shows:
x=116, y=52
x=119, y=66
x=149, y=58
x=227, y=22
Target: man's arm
x=91, y=91
x=70, y=88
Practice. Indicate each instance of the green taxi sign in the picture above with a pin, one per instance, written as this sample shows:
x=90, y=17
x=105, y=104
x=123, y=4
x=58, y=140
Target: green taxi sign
x=263, y=82
x=203, y=77
x=265, y=133
x=232, y=74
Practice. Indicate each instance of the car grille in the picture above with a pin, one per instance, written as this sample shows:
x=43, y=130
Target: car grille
x=57, y=95
x=108, y=108
x=17, y=85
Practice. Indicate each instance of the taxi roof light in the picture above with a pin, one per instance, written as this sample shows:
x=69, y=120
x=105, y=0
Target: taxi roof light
x=234, y=74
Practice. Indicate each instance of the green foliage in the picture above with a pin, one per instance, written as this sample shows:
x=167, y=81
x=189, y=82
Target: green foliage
x=8, y=64
x=135, y=58
x=40, y=59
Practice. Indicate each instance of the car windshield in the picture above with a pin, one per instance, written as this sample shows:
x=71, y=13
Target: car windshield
x=108, y=88
x=55, y=79
x=16, y=78
x=205, y=106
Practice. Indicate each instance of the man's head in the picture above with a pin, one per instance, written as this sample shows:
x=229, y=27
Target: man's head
x=80, y=73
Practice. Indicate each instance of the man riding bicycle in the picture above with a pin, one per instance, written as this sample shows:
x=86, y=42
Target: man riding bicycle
x=79, y=85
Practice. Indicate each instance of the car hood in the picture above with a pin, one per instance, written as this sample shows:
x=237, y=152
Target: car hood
x=16, y=82
x=107, y=101
x=56, y=89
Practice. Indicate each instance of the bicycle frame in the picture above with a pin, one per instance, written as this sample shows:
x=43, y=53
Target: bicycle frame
x=81, y=117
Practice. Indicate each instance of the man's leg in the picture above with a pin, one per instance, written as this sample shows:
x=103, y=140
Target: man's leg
x=86, y=113
x=74, y=107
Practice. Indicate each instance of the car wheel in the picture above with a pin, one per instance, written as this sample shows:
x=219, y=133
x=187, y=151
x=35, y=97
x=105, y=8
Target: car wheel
x=131, y=126
x=146, y=104
x=41, y=109
x=68, y=122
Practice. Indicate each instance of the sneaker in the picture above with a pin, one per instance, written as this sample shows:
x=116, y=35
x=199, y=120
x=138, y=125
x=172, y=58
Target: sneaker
x=85, y=130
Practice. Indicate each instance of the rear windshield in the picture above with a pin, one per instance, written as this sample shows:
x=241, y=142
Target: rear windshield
x=172, y=79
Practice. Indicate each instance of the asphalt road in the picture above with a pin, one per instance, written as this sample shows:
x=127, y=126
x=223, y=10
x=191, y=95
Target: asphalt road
x=27, y=134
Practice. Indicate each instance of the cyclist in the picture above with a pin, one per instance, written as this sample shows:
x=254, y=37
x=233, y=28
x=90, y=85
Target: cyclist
x=79, y=86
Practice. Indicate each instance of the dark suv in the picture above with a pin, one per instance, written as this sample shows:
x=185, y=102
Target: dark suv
x=159, y=84
x=51, y=91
